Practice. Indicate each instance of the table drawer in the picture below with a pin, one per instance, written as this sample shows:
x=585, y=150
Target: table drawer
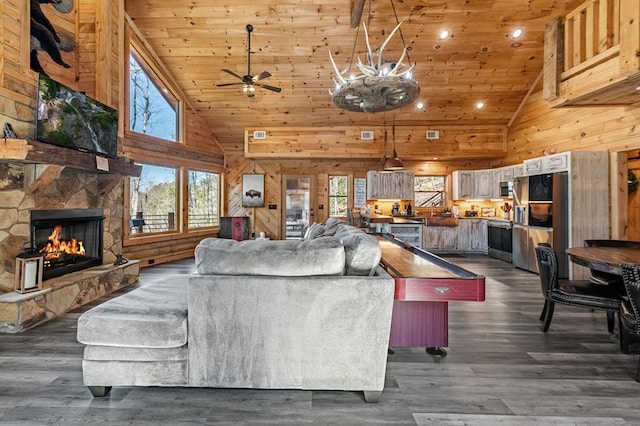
x=436, y=289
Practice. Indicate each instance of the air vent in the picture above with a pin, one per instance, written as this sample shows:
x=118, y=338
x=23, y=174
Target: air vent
x=366, y=136
x=259, y=134
x=433, y=134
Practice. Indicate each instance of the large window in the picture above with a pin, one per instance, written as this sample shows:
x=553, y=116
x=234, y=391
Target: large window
x=153, y=110
x=338, y=196
x=429, y=191
x=204, y=190
x=153, y=200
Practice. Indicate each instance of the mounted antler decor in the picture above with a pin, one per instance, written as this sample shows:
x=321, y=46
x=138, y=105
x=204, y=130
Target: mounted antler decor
x=383, y=85
x=44, y=36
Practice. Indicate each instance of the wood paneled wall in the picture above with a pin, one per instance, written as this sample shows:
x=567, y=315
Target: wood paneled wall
x=454, y=142
x=266, y=220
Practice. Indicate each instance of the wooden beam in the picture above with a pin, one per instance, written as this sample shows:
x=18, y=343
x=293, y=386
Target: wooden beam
x=32, y=151
x=553, y=59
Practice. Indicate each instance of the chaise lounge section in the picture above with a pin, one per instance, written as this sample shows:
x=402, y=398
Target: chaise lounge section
x=257, y=314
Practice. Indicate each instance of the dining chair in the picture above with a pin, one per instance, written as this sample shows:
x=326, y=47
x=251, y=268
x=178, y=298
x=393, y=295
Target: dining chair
x=606, y=278
x=629, y=317
x=581, y=293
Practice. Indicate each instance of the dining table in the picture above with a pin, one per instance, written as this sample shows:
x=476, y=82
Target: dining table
x=604, y=259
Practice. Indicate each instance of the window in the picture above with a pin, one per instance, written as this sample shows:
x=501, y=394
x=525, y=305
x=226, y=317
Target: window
x=204, y=190
x=338, y=196
x=429, y=191
x=153, y=110
x=153, y=200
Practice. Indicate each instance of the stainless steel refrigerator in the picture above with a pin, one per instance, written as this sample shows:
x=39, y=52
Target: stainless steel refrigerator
x=540, y=216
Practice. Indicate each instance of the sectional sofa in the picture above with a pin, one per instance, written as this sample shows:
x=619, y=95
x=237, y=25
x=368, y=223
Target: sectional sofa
x=311, y=314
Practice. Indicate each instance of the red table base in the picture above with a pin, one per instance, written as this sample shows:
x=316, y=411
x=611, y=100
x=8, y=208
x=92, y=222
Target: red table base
x=419, y=323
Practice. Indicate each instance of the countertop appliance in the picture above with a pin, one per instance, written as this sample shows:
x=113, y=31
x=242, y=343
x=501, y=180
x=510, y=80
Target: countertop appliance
x=540, y=216
x=500, y=239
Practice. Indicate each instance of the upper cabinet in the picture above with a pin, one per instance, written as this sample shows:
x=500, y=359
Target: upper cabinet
x=590, y=56
x=532, y=166
x=484, y=184
x=390, y=185
x=462, y=184
x=556, y=163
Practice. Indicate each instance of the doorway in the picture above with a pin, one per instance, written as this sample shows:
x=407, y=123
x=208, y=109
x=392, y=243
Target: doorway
x=299, y=204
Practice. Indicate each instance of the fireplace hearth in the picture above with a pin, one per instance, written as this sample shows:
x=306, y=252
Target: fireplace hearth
x=70, y=239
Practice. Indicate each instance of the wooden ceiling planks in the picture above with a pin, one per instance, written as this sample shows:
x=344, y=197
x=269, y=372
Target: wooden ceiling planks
x=291, y=40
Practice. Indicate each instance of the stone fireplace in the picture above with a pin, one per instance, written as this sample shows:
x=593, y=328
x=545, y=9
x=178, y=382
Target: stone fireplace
x=88, y=207
x=70, y=239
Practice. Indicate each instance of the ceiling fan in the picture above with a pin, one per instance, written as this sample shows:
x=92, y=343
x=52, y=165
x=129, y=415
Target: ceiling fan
x=249, y=82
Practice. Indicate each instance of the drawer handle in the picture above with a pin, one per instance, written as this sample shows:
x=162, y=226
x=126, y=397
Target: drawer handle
x=442, y=290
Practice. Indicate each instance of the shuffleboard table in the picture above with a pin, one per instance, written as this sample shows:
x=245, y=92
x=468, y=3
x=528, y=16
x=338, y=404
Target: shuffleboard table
x=425, y=283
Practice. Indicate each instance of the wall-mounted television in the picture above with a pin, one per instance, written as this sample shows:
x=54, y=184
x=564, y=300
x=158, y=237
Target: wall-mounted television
x=71, y=119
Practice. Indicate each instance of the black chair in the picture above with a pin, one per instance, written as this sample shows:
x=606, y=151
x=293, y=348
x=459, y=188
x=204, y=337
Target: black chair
x=629, y=317
x=581, y=293
x=599, y=277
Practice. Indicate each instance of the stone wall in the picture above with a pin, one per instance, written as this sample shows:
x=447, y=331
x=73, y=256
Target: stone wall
x=24, y=187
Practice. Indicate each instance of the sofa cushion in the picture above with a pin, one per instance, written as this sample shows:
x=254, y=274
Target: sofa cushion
x=331, y=226
x=152, y=316
x=290, y=258
x=314, y=231
x=362, y=251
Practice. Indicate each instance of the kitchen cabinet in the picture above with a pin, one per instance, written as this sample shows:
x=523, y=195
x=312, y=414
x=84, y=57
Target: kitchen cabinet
x=507, y=173
x=473, y=235
x=532, y=166
x=483, y=184
x=390, y=185
x=409, y=233
x=495, y=184
x=462, y=184
x=518, y=170
x=439, y=238
x=556, y=163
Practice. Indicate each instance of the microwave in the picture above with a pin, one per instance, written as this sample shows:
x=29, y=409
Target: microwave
x=506, y=189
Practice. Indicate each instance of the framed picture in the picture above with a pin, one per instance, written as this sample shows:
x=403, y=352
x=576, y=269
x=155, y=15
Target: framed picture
x=253, y=190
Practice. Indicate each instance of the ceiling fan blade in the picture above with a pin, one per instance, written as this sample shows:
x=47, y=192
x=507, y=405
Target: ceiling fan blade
x=228, y=84
x=262, y=75
x=266, y=86
x=232, y=73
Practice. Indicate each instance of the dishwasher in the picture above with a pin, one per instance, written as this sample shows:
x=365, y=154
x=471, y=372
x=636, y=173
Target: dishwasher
x=500, y=239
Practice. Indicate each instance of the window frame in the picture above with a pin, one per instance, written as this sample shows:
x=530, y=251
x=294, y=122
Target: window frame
x=186, y=202
x=346, y=196
x=159, y=78
x=443, y=192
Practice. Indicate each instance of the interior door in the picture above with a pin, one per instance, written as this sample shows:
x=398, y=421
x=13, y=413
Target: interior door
x=299, y=203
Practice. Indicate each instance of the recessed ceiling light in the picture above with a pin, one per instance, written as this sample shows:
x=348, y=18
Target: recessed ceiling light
x=434, y=158
x=420, y=105
x=517, y=33
x=480, y=105
x=443, y=34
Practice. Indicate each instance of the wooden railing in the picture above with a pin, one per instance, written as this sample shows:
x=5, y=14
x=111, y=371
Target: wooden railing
x=590, y=56
x=591, y=35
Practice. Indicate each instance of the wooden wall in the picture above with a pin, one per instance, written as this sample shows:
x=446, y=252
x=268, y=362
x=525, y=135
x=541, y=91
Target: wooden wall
x=269, y=221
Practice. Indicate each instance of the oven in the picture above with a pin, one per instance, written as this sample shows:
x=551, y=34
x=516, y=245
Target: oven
x=500, y=239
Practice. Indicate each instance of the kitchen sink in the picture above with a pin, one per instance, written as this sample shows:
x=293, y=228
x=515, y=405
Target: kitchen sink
x=442, y=221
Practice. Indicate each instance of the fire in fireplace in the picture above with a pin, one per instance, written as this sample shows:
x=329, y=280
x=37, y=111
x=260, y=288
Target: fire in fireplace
x=70, y=239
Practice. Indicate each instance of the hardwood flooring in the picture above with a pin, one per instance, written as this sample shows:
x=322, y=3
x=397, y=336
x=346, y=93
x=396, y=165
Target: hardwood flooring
x=501, y=369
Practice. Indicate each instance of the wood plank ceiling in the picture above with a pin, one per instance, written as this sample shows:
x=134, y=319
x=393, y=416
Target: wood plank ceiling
x=480, y=61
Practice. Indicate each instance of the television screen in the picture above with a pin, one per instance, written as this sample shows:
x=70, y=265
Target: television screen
x=69, y=118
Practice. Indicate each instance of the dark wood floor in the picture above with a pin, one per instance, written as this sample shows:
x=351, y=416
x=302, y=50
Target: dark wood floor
x=501, y=369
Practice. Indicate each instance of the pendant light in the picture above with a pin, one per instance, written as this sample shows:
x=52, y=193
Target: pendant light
x=393, y=163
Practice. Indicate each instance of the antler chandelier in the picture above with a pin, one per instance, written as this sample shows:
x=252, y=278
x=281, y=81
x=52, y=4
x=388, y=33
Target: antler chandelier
x=383, y=84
